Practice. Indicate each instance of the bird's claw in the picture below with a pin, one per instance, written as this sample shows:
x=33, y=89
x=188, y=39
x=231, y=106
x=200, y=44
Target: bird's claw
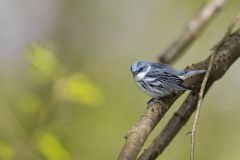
x=153, y=100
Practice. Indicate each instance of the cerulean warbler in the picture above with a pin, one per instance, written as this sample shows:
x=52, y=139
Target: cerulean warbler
x=160, y=80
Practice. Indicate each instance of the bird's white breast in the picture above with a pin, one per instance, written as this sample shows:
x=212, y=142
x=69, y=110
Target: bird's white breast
x=141, y=75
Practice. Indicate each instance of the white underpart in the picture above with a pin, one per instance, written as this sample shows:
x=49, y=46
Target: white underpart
x=141, y=75
x=182, y=77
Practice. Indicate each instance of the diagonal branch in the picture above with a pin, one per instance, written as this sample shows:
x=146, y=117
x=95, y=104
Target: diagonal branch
x=192, y=29
x=226, y=54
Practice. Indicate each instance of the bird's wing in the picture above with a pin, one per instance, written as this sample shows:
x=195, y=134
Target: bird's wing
x=163, y=68
x=171, y=81
x=167, y=76
x=159, y=65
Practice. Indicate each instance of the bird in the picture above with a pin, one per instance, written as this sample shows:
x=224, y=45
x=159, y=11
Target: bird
x=160, y=80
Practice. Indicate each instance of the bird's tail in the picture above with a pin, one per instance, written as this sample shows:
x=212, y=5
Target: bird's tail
x=189, y=73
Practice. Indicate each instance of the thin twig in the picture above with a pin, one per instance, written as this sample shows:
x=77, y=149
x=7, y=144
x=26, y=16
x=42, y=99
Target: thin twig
x=203, y=85
x=192, y=29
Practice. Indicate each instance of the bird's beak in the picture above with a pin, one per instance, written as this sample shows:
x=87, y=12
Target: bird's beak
x=134, y=74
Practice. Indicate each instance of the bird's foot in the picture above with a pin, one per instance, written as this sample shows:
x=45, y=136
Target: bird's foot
x=151, y=101
x=154, y=100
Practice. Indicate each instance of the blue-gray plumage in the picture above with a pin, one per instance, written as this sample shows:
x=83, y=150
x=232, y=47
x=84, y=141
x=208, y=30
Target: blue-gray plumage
x=160, y=80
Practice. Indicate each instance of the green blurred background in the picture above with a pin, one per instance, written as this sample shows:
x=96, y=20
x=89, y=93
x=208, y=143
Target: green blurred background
x=66, y=91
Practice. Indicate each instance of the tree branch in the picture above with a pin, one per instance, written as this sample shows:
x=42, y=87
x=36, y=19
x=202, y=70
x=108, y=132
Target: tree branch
x=226, y=54
x=136, y=136
x=192, y=29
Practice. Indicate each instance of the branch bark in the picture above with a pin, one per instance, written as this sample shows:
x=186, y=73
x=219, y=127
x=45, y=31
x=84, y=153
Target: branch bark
x=192, y=29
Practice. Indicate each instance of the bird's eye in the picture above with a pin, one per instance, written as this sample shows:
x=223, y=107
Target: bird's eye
x=140, y=70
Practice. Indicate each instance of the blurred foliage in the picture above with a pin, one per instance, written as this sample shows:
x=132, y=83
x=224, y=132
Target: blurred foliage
x=77, y=88
x=51, y=147
x=29, y=102
x=73, y=97
x=6, y=151
x=34, y=107
x=43, y=63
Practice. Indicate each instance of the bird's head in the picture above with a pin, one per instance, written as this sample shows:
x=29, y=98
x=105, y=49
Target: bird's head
x=138, y=67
